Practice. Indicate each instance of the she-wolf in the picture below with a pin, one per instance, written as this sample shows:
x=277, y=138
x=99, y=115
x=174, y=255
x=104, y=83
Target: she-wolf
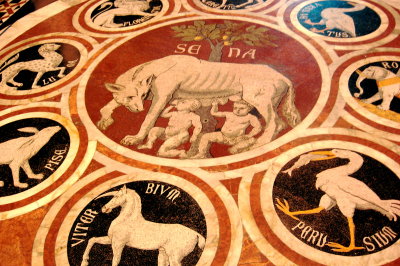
x=186, y=77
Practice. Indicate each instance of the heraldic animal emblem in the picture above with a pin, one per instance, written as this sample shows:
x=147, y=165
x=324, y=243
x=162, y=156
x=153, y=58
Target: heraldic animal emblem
x=173, y=241
x=388, y=85
x=123, y=8
x=336, y=18
x=342, y=190
x=50, y=62
x=17, y=152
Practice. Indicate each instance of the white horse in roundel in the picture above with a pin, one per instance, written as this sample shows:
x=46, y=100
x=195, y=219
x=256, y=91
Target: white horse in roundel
x=388, y=85
x=173, y=241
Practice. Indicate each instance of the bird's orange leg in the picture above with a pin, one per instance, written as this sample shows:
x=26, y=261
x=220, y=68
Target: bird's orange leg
x=318, y=31
x=340, y=248
x=284, y=207
x=309, y=22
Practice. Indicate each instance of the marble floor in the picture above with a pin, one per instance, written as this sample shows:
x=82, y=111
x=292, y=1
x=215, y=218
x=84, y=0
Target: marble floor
x=199, y=132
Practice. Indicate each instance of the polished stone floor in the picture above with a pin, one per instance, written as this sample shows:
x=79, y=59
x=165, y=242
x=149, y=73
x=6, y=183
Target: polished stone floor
x=199, y=132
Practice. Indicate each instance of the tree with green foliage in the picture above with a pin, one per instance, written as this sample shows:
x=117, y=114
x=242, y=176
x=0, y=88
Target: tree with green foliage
x=218, y=36
x=221, y=35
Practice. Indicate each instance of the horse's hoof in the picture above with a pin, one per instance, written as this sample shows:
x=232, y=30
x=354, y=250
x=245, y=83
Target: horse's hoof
x=21, y=185
x=383, y=108
x=38, y=176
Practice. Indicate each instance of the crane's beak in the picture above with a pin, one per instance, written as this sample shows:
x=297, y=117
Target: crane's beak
x=325, y=155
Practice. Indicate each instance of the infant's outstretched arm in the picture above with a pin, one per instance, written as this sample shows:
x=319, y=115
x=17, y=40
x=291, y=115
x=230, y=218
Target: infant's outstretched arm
x=214, y=110
x=255, y=123
x=166, y=113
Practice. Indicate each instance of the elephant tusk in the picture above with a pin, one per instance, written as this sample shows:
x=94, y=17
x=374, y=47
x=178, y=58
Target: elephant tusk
x=328, y=155
x=361, y=74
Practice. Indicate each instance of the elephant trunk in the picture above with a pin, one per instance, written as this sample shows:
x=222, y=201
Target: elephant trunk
x=360, y=78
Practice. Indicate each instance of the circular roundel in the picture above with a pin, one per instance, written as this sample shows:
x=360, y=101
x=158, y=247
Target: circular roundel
x=343, y=22
x=36, y=151
x=42, y=141
x=21, y=70
x=149, y=114
x=230, y=5
x=373, y=84
x=39, y=68
x=338, y=19
x=150, y=220
x=107, y=17
x=333, y=203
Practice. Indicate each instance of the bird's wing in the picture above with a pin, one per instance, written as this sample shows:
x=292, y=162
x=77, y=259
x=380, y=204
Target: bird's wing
x=327, y=202
x=344, y=23
x=356, y=188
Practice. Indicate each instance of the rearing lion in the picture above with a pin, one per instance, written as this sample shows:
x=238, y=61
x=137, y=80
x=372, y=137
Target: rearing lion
x=182, y=76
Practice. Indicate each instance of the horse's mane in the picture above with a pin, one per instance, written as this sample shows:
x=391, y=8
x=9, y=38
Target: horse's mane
x=133, y=193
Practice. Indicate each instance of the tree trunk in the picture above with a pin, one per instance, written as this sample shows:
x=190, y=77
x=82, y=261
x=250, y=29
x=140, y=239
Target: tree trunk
x=208, y=123
x=216, y=52
x=207, y=120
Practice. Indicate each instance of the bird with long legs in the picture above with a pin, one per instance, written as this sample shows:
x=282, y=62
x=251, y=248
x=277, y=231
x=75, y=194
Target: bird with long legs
x=342, y=190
